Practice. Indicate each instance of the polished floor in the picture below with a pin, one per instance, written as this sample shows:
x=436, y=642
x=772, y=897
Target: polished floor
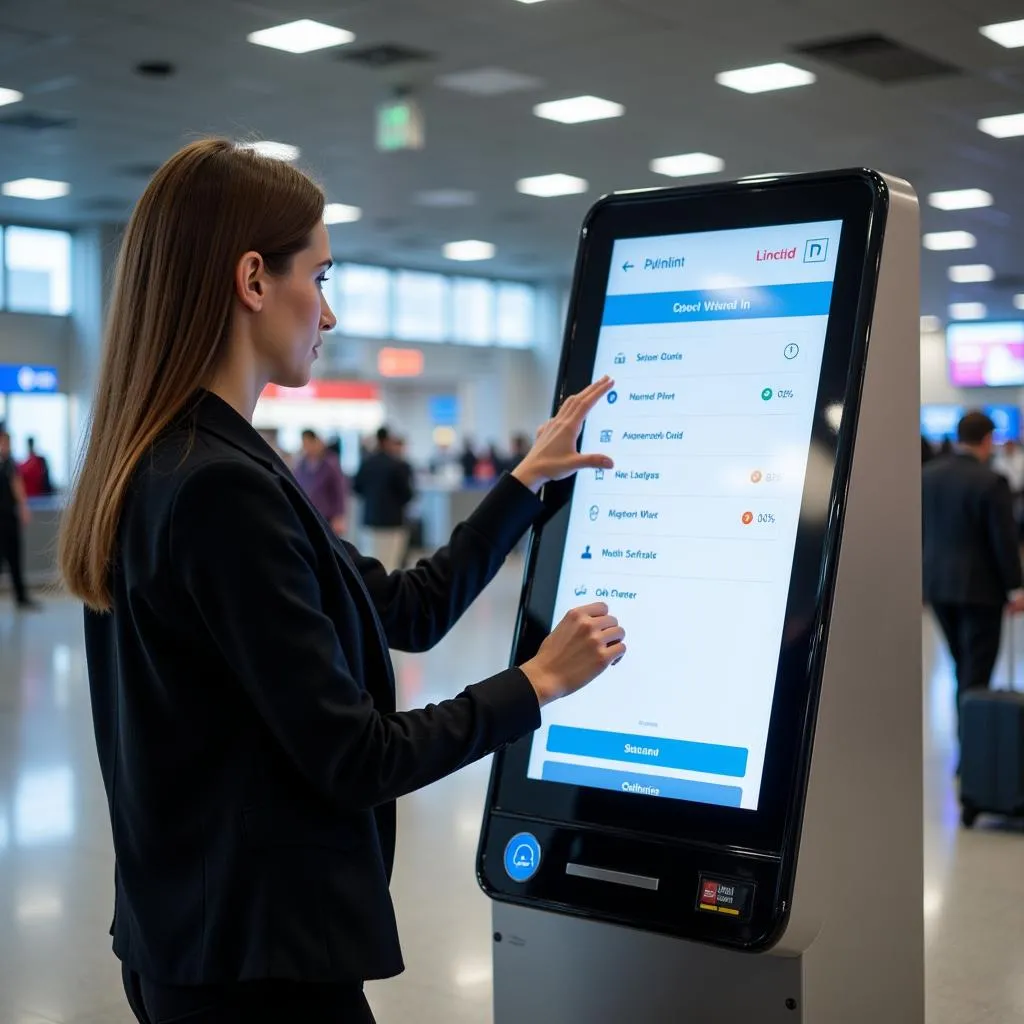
x=56, y=862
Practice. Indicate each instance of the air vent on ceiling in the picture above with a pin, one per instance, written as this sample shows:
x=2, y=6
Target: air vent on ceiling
x=105, y=204
x=141, y=170
x=385, y=55
x=31, y=122
x=877, y=57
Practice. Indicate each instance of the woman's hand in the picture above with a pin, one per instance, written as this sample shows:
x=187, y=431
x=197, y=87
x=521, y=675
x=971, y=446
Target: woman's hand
x=578, y=650
x=554, y=455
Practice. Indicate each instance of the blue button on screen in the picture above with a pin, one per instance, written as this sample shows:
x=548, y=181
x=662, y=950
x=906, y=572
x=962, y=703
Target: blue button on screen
x=710, y=758
x=522, y=857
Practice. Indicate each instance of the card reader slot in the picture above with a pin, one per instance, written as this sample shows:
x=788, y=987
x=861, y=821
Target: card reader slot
x=616, y=877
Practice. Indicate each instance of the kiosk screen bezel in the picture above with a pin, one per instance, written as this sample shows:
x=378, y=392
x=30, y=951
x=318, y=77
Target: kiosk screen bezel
x=859, y=200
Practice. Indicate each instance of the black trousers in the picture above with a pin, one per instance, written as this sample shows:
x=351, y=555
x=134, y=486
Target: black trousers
x=10, y=555
x=247, y=1002
x=973, y=632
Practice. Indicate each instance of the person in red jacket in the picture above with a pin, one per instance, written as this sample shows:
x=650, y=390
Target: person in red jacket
x=35, y=473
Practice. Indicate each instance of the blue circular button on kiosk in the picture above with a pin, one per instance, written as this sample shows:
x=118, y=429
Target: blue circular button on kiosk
x=522, y=857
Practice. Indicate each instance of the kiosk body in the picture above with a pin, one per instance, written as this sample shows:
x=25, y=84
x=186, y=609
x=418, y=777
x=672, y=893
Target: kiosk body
x=806, y=846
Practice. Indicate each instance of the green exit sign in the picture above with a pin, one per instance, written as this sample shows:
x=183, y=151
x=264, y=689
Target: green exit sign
x=399, y=125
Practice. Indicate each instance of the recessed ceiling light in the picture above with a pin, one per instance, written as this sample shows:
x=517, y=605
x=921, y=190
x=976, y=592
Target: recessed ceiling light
x=302, y=36
x=445, y=198
x=1006, y=33
x=339, y=213
x=766, y=78
x=972, y=273
x=931, y=323
x=968, y=310
x=578, y=109
x=275, y=150
x=961, y=199
x=489, y=82
x=469, y=251
x=10, y=96
x=530, y=1
x=547, y=185
x=686, y=164
x=944, y=240
x=35, y=188
x=1005, y=126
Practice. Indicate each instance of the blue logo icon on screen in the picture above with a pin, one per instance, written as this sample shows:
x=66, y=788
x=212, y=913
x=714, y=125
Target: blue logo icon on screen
x=816, y=250
x=522, y=857
x=613, y=397
x=606, y=436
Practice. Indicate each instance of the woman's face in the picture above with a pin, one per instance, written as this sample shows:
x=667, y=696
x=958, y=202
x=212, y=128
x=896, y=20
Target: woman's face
x=294, y=313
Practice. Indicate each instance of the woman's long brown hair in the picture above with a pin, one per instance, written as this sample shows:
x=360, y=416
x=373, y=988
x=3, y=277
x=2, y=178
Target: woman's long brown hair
x=169, y=322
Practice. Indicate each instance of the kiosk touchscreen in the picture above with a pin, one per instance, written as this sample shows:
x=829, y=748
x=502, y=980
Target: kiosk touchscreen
x=669, y=793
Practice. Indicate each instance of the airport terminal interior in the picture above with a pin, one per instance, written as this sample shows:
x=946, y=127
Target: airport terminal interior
x=460, y=145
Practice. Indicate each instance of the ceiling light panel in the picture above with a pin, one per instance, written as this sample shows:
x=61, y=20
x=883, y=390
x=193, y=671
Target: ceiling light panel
x=548, y=185
x=489, y=82
x=339, y=213
x=10, y=96
x=1006, y=33
x=941, y=241
x=274, y=150
x=1006, y=126
x=303, y=36
x=685, y=165
x=446, y=198
x=968, y=311
x=766, y=78
x=973, y=273
x=469, y=251
x=579, y=109
x=35, y=188
x=961, y=199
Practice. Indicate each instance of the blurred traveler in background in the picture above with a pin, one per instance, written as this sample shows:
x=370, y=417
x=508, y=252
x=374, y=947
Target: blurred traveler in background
x=972, y=566
x=384, y=482
x=35, y=473
x=927, y=451
x=946, y=448
x=320, y=476
x=520, y=446
x=488, y=466
x=243, y=693
x=14, y=514
x=468, y=461
x=1009, y=462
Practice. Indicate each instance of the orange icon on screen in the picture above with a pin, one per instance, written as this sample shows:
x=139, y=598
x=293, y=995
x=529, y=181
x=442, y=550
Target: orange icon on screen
x=748, y=518
x=755, y=477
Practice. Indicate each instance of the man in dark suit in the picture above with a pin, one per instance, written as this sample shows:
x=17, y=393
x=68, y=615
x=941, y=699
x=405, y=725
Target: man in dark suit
x=972, y=567
x=384, y=482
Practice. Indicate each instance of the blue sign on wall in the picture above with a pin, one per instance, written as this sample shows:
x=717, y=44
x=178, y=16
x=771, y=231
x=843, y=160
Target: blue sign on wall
x=27, y=379
x=444, y=410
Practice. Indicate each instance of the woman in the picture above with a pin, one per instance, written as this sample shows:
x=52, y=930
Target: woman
x=243, y=696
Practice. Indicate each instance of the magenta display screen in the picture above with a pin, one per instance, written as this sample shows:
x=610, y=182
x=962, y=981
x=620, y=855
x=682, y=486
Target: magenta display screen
x=986, y=354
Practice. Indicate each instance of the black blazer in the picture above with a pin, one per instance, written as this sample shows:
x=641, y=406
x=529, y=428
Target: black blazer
x=971, y=551
x=244, y=707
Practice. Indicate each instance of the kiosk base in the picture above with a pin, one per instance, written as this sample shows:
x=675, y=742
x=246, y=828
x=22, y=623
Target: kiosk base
x=550, y=969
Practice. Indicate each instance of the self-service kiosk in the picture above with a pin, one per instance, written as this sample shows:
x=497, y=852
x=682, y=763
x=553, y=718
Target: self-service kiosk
x=727, y=825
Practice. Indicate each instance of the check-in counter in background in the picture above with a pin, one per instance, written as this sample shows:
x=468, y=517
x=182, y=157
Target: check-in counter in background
x=442, y=508
x=39, y=544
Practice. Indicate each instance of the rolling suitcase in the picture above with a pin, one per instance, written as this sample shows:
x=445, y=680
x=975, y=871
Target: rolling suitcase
x=992, y=754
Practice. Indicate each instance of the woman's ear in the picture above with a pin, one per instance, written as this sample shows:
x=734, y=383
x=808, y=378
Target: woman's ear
x=249, y=274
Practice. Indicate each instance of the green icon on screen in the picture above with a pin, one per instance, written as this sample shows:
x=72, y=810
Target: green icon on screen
x=766, y=395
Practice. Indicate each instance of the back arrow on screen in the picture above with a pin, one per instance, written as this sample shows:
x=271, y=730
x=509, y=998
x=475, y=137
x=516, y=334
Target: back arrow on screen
x=627, y=266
